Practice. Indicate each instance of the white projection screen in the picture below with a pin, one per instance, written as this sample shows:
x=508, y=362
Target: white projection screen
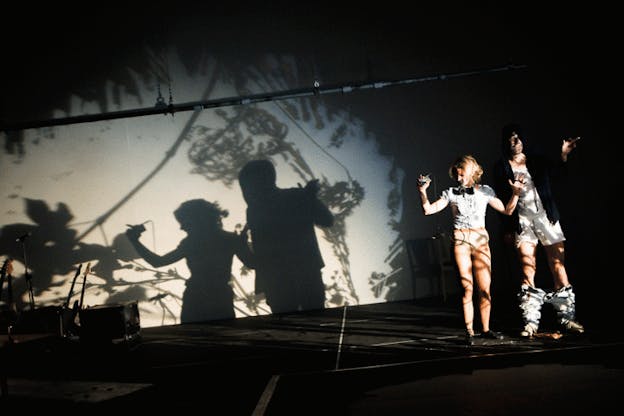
x=73, y=189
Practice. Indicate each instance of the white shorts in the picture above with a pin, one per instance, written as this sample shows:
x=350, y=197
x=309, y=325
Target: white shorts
x=539, y=228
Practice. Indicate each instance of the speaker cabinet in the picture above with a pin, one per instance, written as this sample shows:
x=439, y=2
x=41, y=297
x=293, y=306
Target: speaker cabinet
x=119, y=322
x=44, y=320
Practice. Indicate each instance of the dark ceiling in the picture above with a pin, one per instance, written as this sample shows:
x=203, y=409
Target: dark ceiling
x=50, y=52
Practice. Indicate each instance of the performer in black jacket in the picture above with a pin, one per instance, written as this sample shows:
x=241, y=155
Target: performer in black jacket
x=536, y=220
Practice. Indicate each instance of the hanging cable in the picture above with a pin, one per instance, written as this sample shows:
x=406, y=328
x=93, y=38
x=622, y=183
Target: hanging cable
x=296, y=123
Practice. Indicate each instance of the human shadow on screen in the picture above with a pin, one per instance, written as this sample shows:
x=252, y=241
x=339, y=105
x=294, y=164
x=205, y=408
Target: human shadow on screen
x=282, y=226
x=208, y=250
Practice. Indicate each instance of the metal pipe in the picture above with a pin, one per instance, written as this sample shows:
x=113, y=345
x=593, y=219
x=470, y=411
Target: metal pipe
x=316, y=90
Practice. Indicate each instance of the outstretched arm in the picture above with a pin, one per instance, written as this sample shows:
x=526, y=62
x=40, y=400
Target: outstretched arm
x=323, y=217
x=427, y=207
x=516, y=186
x=134, y=233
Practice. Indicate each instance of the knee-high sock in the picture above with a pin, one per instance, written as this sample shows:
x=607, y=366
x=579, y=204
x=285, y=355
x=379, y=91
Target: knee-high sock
x=563, y=301
x=531, y=300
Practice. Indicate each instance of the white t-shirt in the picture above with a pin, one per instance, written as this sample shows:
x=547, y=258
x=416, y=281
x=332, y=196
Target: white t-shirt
x=469, y=209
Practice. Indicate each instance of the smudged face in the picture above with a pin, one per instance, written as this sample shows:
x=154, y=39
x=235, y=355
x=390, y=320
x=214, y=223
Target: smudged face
x=515, y=144
x=465, y=175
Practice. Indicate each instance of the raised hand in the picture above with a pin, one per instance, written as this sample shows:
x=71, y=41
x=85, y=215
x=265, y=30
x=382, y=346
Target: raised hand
x=134, y=231
x=568, y=145
x=312, y=187
x=517, y=185
x=423, y=182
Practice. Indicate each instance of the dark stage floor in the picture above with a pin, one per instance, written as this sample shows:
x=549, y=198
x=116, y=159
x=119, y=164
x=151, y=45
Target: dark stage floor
x=400, y=358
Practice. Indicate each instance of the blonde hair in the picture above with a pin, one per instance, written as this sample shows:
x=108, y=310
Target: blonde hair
x=462, y=162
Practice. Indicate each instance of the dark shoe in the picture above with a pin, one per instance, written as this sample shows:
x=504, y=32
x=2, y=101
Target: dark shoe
x=491, y=335
x=469, y=338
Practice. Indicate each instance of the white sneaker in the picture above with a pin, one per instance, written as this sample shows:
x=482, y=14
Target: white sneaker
x=528, y=331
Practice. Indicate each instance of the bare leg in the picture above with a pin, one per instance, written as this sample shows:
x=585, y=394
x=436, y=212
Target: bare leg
x=556, y=256
x=526, y=251
x=464, y=265
x=483, y=276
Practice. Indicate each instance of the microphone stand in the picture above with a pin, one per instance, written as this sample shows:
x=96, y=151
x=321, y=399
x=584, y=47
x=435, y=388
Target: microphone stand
x=69, y=315
x=31, y=296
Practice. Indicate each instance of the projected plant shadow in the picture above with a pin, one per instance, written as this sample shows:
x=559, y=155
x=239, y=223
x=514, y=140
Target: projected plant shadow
x=49, y=247
x=217, y=154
